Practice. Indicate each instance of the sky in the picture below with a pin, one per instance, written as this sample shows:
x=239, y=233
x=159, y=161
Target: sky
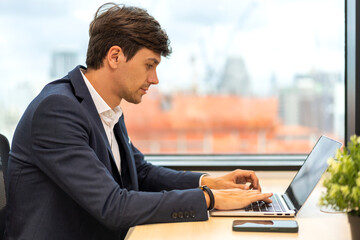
x=274, y=37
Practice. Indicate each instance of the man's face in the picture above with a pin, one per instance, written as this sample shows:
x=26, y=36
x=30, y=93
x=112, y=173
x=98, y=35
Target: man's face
x=133, y=78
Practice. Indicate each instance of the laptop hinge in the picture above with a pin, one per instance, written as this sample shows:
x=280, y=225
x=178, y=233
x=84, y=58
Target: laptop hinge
x=288, y=202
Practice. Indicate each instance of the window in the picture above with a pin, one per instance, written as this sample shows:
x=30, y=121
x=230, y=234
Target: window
x=249, y=77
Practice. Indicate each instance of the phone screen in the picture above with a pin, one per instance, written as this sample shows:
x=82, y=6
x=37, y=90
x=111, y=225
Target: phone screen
x=265, y=225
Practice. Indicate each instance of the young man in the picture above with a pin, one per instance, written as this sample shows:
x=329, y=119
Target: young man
x=73, y=171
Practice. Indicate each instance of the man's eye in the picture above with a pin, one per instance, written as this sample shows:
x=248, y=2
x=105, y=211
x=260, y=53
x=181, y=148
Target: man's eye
x=149, y=66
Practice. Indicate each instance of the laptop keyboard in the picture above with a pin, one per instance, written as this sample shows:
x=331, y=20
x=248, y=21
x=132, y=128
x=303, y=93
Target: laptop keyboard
x=261, y=206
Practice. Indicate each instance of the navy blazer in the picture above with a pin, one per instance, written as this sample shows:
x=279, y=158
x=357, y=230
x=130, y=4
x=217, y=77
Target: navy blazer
x=63, y=181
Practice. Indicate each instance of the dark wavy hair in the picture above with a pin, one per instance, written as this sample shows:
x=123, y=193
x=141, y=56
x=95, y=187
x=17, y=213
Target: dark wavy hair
x=130, y=28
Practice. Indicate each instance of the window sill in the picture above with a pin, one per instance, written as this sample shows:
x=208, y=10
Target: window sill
x=228, y=162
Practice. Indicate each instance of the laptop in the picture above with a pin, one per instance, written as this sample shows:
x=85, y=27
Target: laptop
x=289, y=203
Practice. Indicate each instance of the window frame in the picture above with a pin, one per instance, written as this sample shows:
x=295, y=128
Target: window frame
x=352, y=73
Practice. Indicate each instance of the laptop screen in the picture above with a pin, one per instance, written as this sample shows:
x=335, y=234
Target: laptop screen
x=310, y=173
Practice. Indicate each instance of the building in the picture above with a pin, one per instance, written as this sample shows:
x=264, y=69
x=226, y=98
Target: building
x=235, y=79
x=312, y=102
x=61, y=62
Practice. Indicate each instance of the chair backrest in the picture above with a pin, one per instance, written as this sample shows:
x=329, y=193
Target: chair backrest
x=4, y=156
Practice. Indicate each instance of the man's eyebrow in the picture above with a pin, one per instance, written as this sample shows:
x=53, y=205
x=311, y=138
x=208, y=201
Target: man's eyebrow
x=154, y=60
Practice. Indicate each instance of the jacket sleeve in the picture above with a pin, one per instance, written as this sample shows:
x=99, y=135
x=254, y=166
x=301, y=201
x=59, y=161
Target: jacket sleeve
x=60, y=146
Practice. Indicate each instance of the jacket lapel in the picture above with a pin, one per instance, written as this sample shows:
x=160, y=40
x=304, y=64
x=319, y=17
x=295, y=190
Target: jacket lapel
x=83, y=94
x=121, y=133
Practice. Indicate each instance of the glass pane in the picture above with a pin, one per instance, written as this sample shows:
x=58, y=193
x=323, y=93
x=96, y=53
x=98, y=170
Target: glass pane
x=245, y=76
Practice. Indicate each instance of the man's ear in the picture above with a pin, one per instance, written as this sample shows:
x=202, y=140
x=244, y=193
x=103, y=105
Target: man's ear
x=115, y=56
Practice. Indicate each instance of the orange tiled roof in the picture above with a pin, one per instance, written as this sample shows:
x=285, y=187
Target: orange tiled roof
x=201, y=112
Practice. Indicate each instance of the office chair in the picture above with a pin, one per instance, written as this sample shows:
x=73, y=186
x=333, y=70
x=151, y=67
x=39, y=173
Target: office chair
x=4, y=156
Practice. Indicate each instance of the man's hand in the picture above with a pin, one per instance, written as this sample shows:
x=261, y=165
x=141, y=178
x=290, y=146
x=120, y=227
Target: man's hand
x=235, y=179
x=238, y=198
x=230, y=199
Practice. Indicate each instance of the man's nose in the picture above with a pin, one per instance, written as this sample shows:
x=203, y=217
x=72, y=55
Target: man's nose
x=153, y=78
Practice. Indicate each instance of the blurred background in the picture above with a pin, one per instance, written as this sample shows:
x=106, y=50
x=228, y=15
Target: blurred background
x=250, y=76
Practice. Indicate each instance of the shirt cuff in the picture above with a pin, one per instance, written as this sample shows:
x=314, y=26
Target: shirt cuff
x=205, y=174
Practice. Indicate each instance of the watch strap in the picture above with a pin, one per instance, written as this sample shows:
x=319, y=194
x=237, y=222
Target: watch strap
x=211, y=196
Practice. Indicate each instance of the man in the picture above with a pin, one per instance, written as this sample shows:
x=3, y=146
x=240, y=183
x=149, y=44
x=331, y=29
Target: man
x=73, y=171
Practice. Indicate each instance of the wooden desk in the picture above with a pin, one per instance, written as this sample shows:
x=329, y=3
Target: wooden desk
x=313, y=224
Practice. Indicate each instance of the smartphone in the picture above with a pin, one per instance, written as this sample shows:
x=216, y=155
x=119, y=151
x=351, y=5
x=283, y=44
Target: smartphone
x=289, y=226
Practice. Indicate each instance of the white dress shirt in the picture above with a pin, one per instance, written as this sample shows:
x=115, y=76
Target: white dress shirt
x=109, y=117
